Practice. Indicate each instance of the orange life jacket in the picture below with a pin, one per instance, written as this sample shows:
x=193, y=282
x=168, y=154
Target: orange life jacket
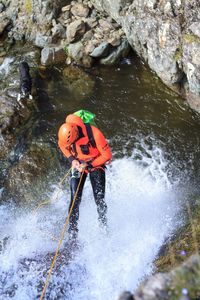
x=82, y=148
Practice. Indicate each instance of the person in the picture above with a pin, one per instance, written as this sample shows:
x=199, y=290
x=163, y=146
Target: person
x=88, y=151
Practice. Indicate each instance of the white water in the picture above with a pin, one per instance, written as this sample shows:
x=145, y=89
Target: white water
x=142, y=212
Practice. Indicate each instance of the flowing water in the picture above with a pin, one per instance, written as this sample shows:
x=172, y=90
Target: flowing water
x=154, y=137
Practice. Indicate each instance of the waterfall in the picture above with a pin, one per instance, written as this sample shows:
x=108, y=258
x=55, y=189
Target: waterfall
x=142, y=213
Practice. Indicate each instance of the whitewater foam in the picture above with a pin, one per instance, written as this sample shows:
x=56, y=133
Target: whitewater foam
x=142, y=210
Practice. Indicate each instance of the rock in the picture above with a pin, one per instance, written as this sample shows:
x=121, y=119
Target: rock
x=101, y=51
x=105, y=24
x=191, y=63
x=88, y=36
x=30, y=176
x=181, y=281
x=89, y=47
x=5, y=21
x=42, y=41
x=66, y=8
x=195, y=28
x=126, y=296
x=154, y=288
x=91, y=22
x=77, y=52
x=80, y=10
x=2, y=7
x=75, y=31
x=52, y=56
x=58, y=31
x=114, y=41
x=155, y=30
x=115, y=56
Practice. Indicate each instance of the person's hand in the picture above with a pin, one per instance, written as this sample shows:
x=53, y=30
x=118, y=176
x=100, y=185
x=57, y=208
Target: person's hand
x=82, y=167
x=75, y=164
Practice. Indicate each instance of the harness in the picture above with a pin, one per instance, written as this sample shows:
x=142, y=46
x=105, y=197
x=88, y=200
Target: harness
x=91, y=142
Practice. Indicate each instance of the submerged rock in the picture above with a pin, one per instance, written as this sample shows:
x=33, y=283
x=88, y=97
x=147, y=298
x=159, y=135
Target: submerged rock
x=79, y=83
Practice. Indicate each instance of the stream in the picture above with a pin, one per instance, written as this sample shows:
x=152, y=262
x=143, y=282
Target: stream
x=154, y=136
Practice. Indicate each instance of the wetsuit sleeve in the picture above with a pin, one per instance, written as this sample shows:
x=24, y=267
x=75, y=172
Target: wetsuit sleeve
x=103, y=147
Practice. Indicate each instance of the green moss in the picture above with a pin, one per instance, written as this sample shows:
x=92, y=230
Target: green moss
x=28, y=6
x=185, y=243
x=186, y=277
x=190, y=38
x=178, y=54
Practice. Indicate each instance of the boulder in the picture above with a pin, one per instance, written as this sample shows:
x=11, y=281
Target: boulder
x=52, y=56
x=42, y=41
x=180, y=283
x=75, y=31
x=80, y=10
x=101, y=51
x=118, y=53
x=27, y=180
x=77, y=52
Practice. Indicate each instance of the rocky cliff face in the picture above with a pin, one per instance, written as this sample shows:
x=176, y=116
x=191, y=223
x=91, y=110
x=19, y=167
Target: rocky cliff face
x=167, y=35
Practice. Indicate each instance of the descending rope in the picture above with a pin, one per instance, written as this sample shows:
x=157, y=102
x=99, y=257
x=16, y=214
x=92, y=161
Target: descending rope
x=56, y=197
x=60, y=240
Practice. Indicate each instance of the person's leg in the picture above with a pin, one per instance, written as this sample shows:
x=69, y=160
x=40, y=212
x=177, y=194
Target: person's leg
x=97, y=178
x=74, y=183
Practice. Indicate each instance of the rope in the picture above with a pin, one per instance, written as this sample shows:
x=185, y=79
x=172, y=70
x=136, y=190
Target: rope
x=48, y=201
x=60, y=241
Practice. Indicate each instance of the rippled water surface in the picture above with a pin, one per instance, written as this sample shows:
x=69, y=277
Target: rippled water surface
x=154, y=137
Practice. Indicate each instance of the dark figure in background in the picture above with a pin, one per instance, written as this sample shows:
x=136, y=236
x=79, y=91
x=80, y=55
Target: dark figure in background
x=25, y=81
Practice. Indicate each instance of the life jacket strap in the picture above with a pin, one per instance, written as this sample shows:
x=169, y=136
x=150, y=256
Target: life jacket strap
x=90, y=135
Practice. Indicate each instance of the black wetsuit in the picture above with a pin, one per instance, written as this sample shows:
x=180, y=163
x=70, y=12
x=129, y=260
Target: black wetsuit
x=97, y=179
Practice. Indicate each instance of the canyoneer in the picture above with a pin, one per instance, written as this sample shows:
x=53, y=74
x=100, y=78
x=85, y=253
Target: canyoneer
x=88, y=151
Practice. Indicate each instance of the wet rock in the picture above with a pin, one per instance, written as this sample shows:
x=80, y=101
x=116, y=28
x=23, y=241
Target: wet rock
x=117, y=54
x=52, y=56
x=154, y=288
x=126, y=296
x=29, y=177
x=181, y=281
x=80, y=10
x=75, y=31
x=101, y=51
